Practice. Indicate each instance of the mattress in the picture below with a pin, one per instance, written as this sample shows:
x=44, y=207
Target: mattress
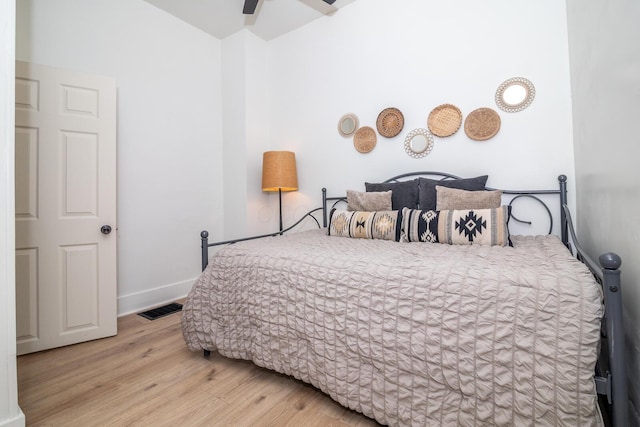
x=411, y=333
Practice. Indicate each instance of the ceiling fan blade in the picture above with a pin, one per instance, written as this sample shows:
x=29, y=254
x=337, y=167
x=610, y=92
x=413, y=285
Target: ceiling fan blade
x=250, y=6
x=329, y=1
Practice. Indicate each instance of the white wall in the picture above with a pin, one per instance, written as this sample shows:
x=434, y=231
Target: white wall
x=182, y=93
x=244, y=114
x=246, y=134
x=169, y=129
x=257, y=83
x=234, y=57
x=10, y=413
x=605, y=71
x=414, y=56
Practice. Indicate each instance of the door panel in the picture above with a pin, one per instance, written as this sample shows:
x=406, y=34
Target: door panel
x=80, y=287
x=27, y=92
x=26, y=147
x=80, y=191
x=65, y=191
x=27, y=294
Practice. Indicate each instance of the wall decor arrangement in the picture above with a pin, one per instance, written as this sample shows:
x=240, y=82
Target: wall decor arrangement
x=348, y=124
x=418, y=143
x=482, y=124
x=390, y=122
x=365, y=139
x=444, y=120
x=515, y=94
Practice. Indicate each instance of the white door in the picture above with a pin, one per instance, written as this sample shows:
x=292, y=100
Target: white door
x=65, y=193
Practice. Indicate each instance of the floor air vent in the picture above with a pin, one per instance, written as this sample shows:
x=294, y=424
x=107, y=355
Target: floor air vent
x=158, y=312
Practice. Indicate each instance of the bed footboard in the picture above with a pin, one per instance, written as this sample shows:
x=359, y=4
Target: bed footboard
x=205, y=245
x=617, y=393
x=611, y=377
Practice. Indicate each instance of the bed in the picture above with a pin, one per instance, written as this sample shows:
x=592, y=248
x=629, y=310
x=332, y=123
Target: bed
x=419, y=332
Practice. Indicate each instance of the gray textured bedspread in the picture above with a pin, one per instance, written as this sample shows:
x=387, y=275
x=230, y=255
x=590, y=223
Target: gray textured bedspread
x=411, y=333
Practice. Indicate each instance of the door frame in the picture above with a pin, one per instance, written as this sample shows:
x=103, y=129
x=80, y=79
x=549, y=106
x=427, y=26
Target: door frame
x=10, y=412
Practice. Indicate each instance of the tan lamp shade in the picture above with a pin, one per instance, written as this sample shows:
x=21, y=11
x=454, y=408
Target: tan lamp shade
x=279, y=171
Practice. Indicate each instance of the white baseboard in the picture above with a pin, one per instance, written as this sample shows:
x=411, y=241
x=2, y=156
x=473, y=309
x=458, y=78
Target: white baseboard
x=17, y=421
x=140, y=301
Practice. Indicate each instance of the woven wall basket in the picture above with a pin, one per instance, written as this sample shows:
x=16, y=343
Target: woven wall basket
x=482, y=124
x=365, y=139
x=444, y=120
x=390, y=122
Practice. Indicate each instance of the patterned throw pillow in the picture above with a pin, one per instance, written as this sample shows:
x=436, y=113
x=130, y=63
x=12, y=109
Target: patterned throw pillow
x=475, y=226
x=459, y=227
x=419, y=226
x=366, y=225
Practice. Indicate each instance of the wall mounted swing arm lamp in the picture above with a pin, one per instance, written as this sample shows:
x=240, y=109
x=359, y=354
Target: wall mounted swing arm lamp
x=279, y=174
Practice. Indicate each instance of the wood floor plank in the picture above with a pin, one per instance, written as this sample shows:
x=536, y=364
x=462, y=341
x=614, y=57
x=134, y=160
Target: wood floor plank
x=146, y=376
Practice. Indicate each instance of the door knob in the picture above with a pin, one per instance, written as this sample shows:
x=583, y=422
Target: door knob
x=105, y=229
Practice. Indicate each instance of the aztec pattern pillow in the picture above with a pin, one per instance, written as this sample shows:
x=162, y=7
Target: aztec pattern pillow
x=451, y=198
x=383, y=225
x=419, y=226
x=368, y=201
x=427, y=199
x=459, y=227
x=404, y=194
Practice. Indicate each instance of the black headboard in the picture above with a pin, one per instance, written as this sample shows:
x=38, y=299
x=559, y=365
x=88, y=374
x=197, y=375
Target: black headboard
x=330, y=202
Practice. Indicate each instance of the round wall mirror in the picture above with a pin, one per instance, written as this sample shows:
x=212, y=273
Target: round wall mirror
x=515, y=94
x=348, y=124
x=418, y=143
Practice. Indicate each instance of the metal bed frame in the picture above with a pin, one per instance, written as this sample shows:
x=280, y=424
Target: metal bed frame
x=610, y=378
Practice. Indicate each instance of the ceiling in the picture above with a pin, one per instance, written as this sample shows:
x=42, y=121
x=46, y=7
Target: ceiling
x=272, y=18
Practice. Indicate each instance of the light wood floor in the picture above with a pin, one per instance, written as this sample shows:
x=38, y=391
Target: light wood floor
x=147, y=376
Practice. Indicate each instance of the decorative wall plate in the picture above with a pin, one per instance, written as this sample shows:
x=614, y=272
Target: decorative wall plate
x=348, y=124
x=482, y=124
x=515, y=94
x=390, y=122
x=418, y=143
x=365, y=139
x=444, y=120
